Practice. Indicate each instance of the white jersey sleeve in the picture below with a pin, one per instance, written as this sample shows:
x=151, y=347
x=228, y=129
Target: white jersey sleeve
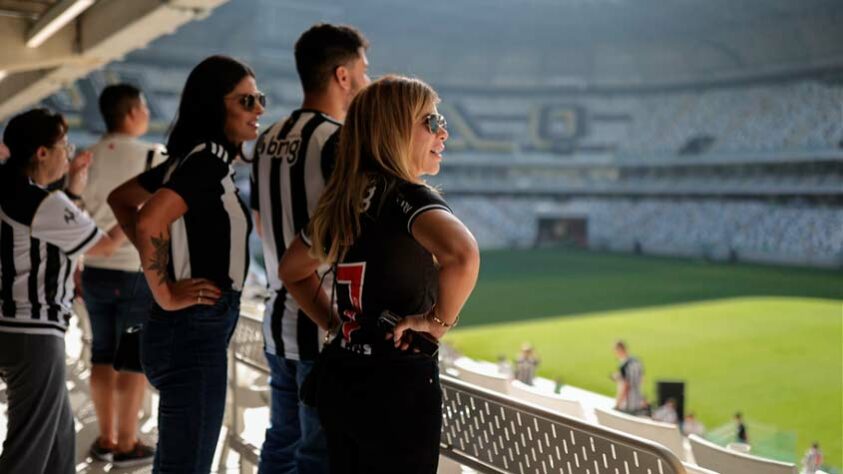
x=59, y=222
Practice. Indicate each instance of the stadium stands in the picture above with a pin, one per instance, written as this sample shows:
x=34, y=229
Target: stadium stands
x=786, y=116
x=725, y=461
x=768, y=187
x=721, y=229
x=801, y=115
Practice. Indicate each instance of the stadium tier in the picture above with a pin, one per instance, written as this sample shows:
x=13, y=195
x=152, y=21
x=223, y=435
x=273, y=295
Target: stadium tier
x=721, y=229
x=799, y=116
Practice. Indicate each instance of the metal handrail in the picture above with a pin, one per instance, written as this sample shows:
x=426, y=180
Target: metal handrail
x=492, y=432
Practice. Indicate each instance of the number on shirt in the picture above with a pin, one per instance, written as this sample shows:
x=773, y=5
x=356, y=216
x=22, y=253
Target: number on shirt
x=350, y=276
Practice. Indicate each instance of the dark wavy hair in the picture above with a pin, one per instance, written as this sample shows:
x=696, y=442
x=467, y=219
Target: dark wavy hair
x=201, y=116
x=28, y=131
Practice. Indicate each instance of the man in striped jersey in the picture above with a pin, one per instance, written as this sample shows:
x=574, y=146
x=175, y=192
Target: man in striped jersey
x=293, y=160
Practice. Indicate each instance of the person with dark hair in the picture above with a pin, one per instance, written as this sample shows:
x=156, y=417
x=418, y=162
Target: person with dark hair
x=192, y=235
x=667, y=412
x=813, y=460
x=41, y=235
x=326, y=53
x=395, y=245
x=115, y=292
x=292, y=162
x=740, y=429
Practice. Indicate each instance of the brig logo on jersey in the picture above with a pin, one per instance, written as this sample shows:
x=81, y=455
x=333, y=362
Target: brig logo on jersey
x=287, y=148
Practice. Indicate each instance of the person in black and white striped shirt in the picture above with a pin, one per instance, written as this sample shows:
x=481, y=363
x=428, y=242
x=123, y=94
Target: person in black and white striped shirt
x=293, y=159
x=192, y=236
x=41, y=235
x=629, y=378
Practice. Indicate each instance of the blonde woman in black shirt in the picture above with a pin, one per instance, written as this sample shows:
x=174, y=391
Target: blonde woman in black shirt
x=396, y=246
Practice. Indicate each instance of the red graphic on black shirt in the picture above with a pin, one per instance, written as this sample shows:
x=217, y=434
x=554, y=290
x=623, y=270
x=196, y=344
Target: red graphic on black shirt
x=351, y=276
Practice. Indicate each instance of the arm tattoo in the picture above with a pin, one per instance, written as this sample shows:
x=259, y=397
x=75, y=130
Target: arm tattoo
x=161, y=258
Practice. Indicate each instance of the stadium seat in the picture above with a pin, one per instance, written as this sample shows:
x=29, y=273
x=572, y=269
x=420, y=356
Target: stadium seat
x=665, y=434
x=551, y=401
x=720, y=459
x=694, y=469
x=484, y=375
x=739, y=447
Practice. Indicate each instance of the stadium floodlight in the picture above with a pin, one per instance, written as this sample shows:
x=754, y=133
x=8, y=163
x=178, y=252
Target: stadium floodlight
x=54, y=19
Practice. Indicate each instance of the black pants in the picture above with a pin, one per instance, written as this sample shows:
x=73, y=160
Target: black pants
x=381, y=415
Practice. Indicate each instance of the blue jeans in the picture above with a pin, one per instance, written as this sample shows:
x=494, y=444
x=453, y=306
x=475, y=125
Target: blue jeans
x=184, y=355
x=295, y=442
x=115, y=300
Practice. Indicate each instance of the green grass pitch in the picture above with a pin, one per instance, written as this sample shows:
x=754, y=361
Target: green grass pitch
x=764, y=340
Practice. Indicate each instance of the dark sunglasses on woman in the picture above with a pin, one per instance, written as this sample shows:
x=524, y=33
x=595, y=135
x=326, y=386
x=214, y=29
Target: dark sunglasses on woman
x=248, y=101
x=435, y=122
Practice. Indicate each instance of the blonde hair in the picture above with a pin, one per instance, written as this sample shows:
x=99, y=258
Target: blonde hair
x=377, y=138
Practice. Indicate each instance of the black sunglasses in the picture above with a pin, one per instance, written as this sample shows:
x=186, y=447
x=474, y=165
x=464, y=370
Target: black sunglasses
x=435, y=122
x=248, y=101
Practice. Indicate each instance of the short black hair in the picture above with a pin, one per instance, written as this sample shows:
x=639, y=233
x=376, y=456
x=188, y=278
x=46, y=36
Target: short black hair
x=202, y=112
x=28, y=131
x=322, y=48
x=116, y=101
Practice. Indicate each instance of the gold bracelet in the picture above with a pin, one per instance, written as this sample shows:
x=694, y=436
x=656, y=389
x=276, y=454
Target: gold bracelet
x=432, y=314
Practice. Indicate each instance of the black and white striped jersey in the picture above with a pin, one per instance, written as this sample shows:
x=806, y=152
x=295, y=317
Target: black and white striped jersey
x=41, y=235
x=293, y=160
x=211, y=240
x=632, y=372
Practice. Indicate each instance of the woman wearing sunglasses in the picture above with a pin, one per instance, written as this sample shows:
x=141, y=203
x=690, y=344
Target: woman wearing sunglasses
x=192, y=236
x=41, y=235
x=396, y=246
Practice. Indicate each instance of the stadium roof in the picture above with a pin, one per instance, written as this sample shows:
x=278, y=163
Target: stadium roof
x=549, y=42
x=50, y=43
x=472, y=43
x=587, y=42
